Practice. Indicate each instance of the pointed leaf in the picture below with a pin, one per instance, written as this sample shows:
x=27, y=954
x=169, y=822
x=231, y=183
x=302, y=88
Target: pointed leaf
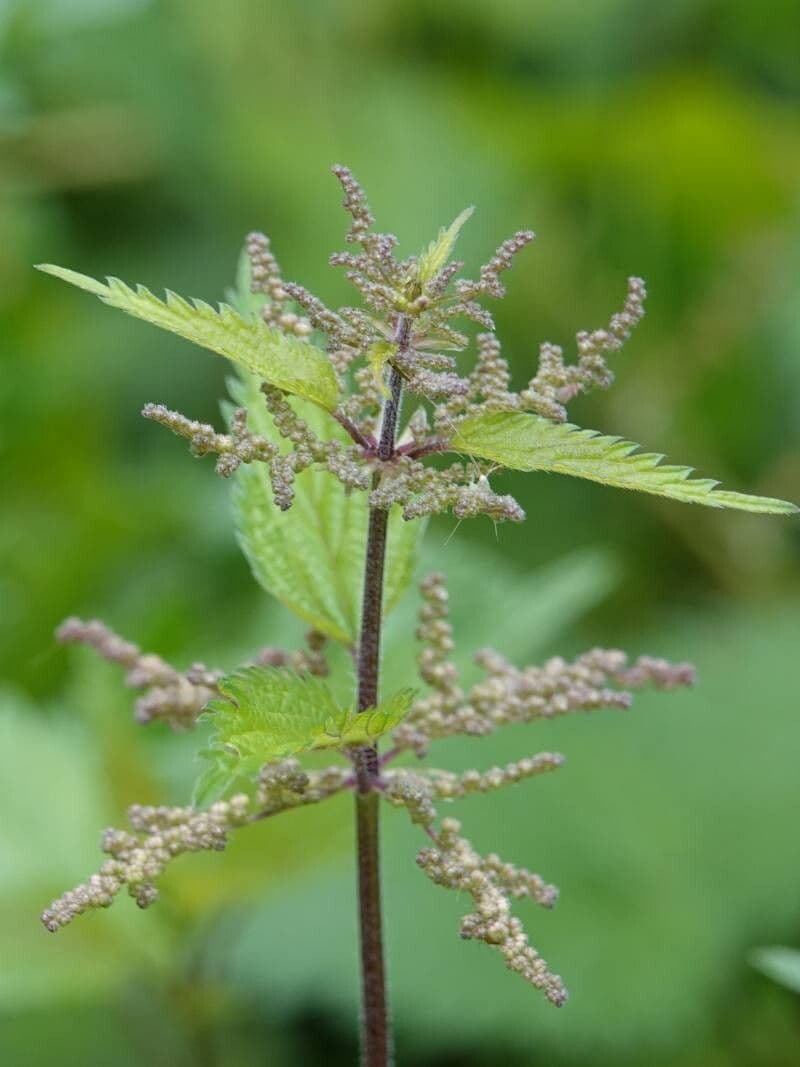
x=311, y=557
x=530, y=443
x=439, y=251
x=284, y=361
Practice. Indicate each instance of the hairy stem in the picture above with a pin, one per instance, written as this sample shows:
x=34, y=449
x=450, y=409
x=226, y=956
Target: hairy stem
x=376, y=1035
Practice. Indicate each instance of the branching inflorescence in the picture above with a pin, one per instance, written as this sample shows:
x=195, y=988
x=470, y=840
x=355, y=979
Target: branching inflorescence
x=317, y=431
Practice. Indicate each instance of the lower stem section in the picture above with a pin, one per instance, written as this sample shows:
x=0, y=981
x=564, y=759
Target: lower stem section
x=376, y=1040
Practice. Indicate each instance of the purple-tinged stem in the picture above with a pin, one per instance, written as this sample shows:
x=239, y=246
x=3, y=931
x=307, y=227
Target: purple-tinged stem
x=376, y=1040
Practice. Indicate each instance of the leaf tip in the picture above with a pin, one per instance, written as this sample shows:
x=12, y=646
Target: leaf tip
x=82, y=281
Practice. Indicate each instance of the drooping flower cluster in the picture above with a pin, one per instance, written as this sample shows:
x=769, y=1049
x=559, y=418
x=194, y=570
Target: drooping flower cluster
x=161, y=834
x=452, y=862
x=492, y=883
x=137, y=859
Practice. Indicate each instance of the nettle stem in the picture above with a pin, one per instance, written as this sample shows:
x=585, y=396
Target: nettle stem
x=375, y=1032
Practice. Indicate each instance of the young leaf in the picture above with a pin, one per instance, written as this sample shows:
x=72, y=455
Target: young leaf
x=284, y=361
x=266, y=714
x=311, y=557
x=364, y=727
x=439, y=251
x=530, y=443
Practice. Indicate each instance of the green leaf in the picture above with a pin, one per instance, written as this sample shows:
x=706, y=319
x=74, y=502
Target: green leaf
x=780, y=963
x=266, y=714
x=530, y=443
x=439, y=251
x=284, y=361
x=56, y=752
x=311, y=557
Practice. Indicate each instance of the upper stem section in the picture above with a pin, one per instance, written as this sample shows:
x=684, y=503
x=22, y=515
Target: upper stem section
x=372, y=601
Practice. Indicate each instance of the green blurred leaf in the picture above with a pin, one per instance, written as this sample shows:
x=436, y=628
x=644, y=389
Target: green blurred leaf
x=286, y=362
x=439, y=251
x=780, y=963
x=54, y=794
x=530, y=443
x=266, y=714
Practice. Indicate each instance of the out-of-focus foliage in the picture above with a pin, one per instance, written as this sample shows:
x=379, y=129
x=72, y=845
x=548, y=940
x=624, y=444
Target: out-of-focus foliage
x=780, y=963
x=144, y=139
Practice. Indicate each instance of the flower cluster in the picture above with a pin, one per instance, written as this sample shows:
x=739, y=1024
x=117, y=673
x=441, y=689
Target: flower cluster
x=242, y=446
x=406, y=329
x=601, y=678
x=161, y=834
x=453, y=863
x=555, y=382
x=287, y=785
x=137, y=859
x=234, y=448
x=490, y=881
x=173, y=696
x=266, y=279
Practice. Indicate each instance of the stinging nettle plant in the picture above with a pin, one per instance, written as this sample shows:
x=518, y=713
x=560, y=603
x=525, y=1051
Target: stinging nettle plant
x=331, y=491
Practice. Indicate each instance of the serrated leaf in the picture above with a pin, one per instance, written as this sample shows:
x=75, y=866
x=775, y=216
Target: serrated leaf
x=311, y=557
x=780, y=963
x=439, y=251
x=266, y=714
x=530, y=443
x=284, y=361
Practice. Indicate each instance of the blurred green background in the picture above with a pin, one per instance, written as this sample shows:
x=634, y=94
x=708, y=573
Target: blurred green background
x=144, y=139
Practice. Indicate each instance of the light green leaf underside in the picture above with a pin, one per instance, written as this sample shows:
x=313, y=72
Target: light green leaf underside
x=266, y=714
x=311, y=557
x=529, y=443
x=780, y=963
x=284, y=361
x=439, y=251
